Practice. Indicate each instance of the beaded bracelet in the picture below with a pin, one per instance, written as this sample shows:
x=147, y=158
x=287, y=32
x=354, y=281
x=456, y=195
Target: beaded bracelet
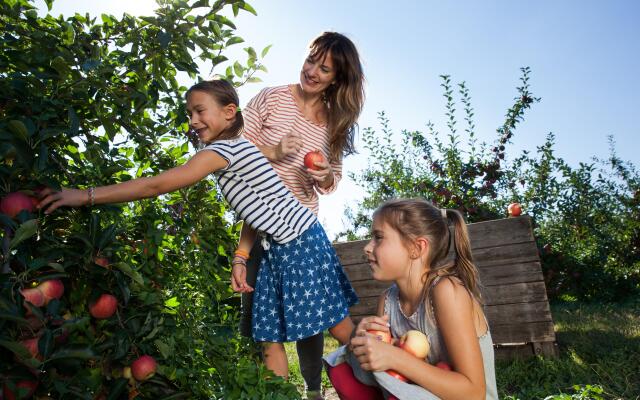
x=239, y=260
x=92, y=196
x=241, y=253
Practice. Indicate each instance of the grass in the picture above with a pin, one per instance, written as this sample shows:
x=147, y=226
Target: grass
x=599, y=346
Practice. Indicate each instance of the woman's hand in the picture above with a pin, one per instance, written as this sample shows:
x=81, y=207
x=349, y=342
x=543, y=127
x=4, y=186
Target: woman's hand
x=239, y=279
x=51, y=199
x=323, y=175
x=290, y=144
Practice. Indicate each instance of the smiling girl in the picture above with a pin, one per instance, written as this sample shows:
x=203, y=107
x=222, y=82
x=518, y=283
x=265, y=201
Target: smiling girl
x=301, y=285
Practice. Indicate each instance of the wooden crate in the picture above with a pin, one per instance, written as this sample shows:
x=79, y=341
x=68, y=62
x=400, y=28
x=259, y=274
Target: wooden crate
x=513, y=287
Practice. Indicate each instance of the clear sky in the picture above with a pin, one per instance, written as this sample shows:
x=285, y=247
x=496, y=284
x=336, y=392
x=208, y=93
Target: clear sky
x=584, y=57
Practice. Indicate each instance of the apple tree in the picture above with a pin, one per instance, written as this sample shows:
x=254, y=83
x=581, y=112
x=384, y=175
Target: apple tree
x=89, y=296
x=586, y=218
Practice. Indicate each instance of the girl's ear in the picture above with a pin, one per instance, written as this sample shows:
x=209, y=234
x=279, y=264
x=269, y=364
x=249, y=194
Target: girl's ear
x=421, y=246
x=230, y=111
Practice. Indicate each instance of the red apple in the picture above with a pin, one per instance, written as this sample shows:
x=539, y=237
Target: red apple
x=311, y=158
x=102, y=261
x=415, y=343
x=443, y=365
x=104, y=307
x=33, y=296
x=51, y=289
x=143, y=368
x=384, y=336
x=514, y=209
x=32, y=346
x=15, y=202
x=397, y=375
x=23, y=390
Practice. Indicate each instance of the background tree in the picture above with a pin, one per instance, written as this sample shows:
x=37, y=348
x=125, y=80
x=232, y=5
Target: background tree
x=585, y=218
x=88, y=101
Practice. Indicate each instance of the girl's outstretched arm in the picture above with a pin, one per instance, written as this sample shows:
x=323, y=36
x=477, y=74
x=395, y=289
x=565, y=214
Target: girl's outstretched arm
x=194, y=170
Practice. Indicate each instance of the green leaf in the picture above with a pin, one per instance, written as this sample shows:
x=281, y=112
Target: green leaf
x=238, y=69
x=234, y=40
x=24, y=232
x=164, y=348
x=265, y=51
x=17, y=348
x=117, y=389
x=82, y=353
x=127, y=270
x=172, y=302
x=18, y=128
x=74, y=123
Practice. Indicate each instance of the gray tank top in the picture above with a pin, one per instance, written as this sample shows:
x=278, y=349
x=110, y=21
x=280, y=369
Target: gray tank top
x=401, y=323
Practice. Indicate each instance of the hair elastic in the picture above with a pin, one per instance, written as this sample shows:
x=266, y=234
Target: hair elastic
x=443, y=211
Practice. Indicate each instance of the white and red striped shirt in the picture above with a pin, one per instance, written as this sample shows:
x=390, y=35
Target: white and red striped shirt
x=269, y=117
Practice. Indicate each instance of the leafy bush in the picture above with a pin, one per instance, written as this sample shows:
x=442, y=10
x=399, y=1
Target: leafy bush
x=87, y=102
x=586, y=219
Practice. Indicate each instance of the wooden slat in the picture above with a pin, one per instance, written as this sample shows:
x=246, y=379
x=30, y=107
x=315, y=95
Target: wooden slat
x=358, y=272
x=351, y=252
x=511, y=273
x=508, y=254
x=522, y=333
x=515, y=293
x=500, y=232
x=520, y=313
x=548, y=349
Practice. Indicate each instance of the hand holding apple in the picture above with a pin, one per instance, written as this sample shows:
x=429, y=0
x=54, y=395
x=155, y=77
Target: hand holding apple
x=384, y=336
x=313, y=157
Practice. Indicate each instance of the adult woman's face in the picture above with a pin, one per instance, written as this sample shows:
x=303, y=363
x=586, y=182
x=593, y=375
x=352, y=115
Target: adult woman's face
x=317, y=74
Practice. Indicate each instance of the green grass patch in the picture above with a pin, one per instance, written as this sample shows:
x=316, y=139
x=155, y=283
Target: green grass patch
x=599, y=357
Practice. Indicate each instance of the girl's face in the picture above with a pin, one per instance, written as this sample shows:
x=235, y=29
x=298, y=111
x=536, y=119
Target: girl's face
x=317, y=74
x=386, y=252
x=208, y=118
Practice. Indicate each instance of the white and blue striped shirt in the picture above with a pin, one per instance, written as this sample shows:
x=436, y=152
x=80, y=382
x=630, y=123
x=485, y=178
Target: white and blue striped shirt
x=255, y=192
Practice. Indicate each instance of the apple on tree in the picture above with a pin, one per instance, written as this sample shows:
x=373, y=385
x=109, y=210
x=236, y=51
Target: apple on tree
x=101, y=261
x=13, y=203
x=51, y=289
x=311, y=158
x=104, y=307
x=33, y=296
x=514, y=209
x=143, y=368
x=22, y=389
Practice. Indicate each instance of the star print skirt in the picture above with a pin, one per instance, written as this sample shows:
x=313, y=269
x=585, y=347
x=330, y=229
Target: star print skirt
x=301, y=289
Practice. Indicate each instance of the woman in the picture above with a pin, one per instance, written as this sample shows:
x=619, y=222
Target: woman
x=285, y=123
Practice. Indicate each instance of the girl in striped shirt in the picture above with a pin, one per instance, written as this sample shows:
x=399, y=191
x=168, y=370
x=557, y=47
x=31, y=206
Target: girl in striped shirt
x=301, y=288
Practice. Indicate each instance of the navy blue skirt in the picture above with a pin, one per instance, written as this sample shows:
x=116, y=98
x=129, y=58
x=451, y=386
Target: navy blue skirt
x=301, y=289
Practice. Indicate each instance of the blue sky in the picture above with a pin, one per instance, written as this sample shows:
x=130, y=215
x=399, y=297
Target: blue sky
x=584, y=58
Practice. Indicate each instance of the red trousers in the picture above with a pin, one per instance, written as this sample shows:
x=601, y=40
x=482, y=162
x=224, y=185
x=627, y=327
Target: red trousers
x=349, y=387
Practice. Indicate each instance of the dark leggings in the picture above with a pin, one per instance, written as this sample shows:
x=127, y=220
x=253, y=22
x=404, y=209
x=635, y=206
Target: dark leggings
x=309, y=350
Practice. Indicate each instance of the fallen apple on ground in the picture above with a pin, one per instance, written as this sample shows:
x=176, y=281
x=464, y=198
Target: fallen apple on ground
x=311, y=158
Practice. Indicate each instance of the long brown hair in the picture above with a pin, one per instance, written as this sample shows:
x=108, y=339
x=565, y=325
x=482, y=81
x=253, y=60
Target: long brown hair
x=414, y=218
x=224, y=94
x=344, y=98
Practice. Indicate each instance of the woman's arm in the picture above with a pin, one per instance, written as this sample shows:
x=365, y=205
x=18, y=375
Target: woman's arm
x=194, y=170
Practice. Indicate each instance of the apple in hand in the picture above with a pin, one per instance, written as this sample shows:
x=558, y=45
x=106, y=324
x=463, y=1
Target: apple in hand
x=415, y=343
x=104, y=307
x=311, y=158
x=443, y=365
x=143, y=368
x=384, y=336
x=514, y=209
x=15, y=202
